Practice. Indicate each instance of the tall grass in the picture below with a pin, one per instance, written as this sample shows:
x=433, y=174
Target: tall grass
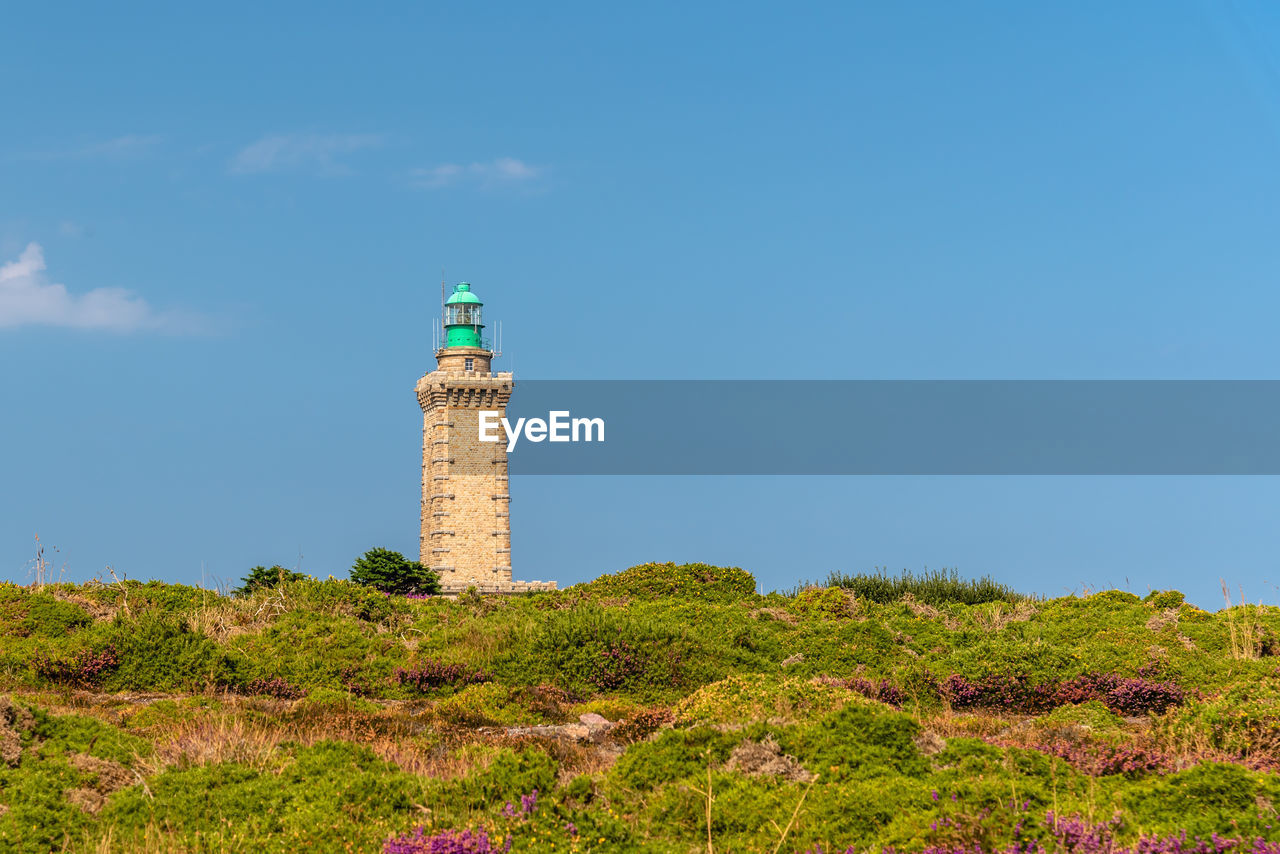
x=932, y=587
x=1243, y=629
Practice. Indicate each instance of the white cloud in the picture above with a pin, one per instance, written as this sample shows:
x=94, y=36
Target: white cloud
x=27, y=298
x=130, y=145
x=502, y=171
x=309, y=151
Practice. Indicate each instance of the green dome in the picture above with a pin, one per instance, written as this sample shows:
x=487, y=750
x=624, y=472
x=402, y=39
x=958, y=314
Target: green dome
x=462, y=294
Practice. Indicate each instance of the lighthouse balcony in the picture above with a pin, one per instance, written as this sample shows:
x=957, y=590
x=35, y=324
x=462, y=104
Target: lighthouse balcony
x=481, y=343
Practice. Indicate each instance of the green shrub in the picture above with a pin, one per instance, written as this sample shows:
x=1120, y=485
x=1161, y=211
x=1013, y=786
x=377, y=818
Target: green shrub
x=1206, y=799
x=511, y=774
x=331, y=793
x=1189, y=613
x=38, y=816
x=693, y=580
x=374, y=606
x=1100, y=721
x=60, y=735
x=156, y=596
x=1164, y=599
x=262, y=578
x=931, y=587
x=391, y=572
x=1244, y=721
x=335, y=701
x=832, y=603
x=486, y=704
x=50, y=617
x=159, y=652
x=1113, y=597
x=756, y=697
x=591, y=649
x=675, y=755
x=313, y=650
x=858, y=741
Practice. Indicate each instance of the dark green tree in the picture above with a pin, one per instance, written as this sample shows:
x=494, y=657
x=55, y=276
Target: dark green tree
x=392, y=572
x=260, y=577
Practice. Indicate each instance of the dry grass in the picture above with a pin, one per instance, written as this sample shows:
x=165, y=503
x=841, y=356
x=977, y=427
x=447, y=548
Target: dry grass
x=780, y=614
x=928, y=612
x=995, y=616
x=1244, y=629
x=949, y=725
x=100, y=611
x=218, y=738
x=477, y=644
x=155, y=839
x=222, y=617
x=410, y=738
x=1164, y=619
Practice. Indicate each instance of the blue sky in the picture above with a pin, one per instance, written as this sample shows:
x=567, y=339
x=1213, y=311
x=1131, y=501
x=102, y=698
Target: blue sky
x=248, y=209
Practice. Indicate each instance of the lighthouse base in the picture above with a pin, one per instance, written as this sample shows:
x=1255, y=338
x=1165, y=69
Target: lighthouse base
x=501, y=588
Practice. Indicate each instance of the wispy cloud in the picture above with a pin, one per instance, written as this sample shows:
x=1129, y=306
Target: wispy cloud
x=312, y=152
x=28, y=298
x=504, y=171
x=129, y=146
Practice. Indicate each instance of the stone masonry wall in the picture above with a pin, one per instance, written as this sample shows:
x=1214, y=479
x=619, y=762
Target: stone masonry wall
x=466, y=497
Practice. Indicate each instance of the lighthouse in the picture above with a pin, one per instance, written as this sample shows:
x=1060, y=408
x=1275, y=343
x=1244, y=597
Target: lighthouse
x=466, y=494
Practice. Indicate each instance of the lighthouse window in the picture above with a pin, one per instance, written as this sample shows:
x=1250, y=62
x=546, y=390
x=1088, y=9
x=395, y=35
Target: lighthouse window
x=471, y=364
x=462, y=314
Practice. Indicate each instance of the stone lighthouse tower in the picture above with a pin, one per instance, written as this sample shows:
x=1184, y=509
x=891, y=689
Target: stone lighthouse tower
x=466, y=498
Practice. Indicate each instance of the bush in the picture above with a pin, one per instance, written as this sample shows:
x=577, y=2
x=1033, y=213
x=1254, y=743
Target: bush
x=275, y=686
x=432, y=674
x=159, y=652
x=393, y=573
x=260, y=578
x=857, y=742
x=1103, y=760
x=931, y=588
x=642, y=724
x=753, y=698
x=1135, y=696
x=677, y=754
x=487, y=704
x=50, y=617
x=668, y=579
x=589, y=649
x=84, y=669
x=1164, y=599
x=1243, y=722
x=1113, y=597
x=830, y=603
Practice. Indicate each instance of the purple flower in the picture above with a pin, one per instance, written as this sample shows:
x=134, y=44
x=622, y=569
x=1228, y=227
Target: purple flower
x=435, y=674
x=445, y=842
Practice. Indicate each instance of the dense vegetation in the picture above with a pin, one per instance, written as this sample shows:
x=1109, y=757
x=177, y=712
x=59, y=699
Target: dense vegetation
x=925, y=714
x=932, y=588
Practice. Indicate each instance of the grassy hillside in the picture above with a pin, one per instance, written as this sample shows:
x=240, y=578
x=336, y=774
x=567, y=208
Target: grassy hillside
x=864, y=714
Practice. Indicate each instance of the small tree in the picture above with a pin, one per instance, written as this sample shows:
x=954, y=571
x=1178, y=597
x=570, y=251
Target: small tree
x=260, y=577
x=392, y=572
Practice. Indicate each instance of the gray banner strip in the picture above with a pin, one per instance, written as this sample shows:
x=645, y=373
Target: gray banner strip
x=901, y=427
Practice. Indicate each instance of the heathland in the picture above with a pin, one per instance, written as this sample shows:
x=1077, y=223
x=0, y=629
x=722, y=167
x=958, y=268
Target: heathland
x=661, y=709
